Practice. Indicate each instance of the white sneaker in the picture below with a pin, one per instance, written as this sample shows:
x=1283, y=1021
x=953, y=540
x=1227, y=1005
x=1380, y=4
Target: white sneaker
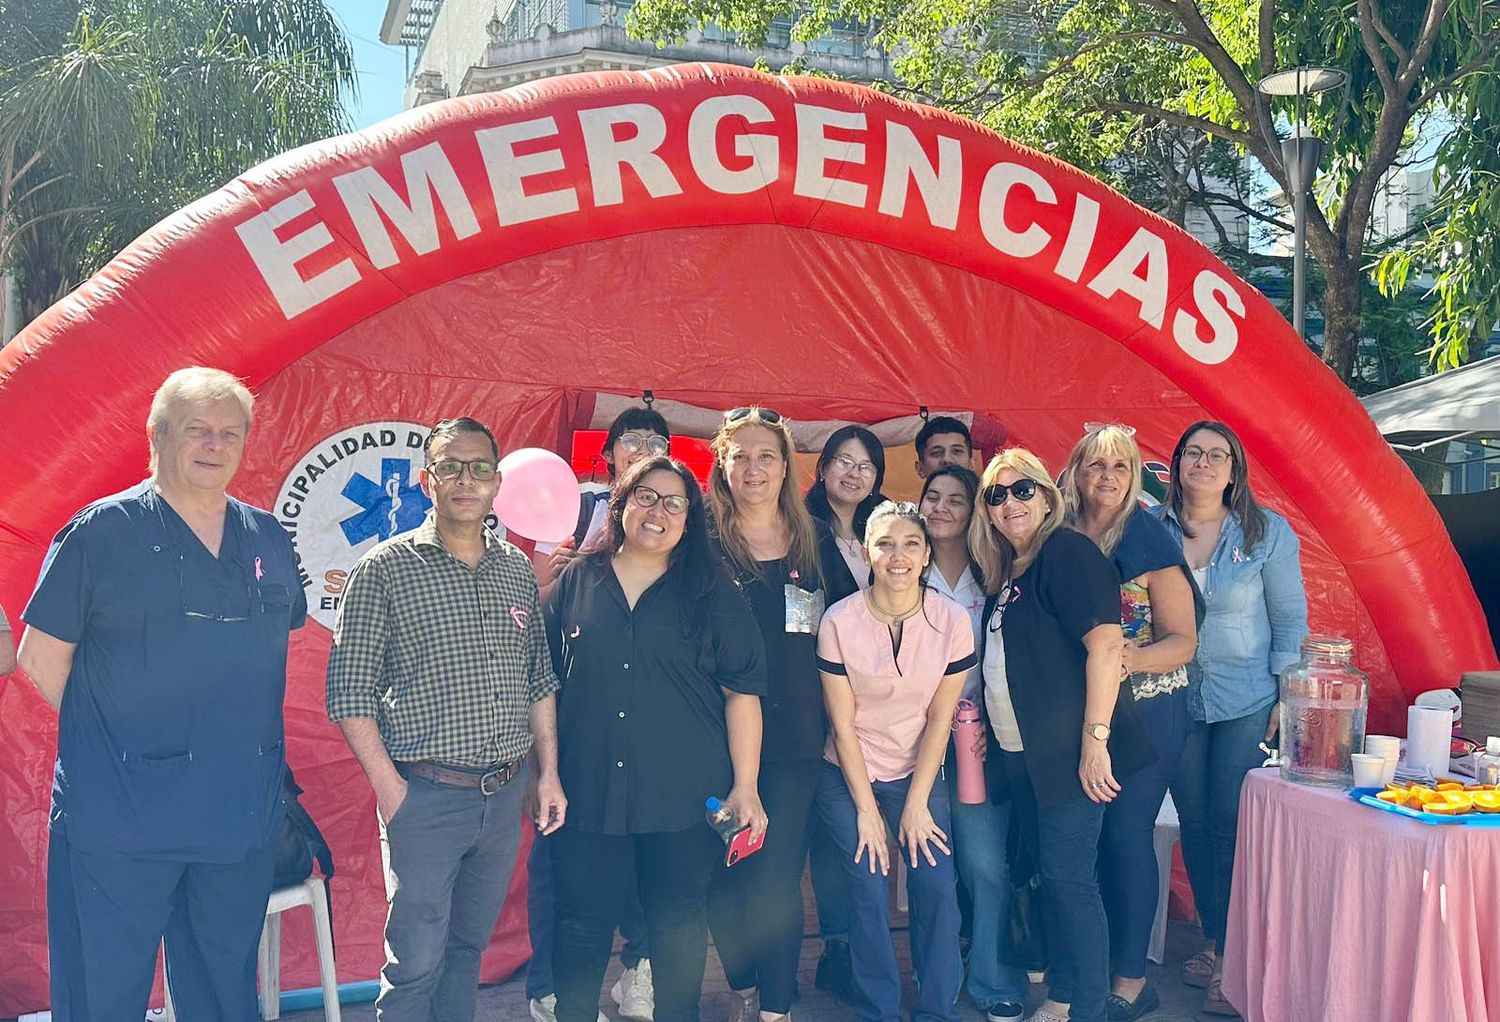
x=635, y=994
x=544, y=1009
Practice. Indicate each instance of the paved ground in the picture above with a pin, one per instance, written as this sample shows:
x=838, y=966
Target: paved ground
x=506, y=1002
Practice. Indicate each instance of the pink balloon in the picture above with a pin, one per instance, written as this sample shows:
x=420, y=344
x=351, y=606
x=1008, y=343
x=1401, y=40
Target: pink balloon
x=538, y=495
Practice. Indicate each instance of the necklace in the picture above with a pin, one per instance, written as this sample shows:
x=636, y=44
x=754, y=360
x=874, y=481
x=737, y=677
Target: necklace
x=889, y=617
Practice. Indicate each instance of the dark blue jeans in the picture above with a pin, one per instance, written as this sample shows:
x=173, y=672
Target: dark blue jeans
x=830, y=888
x=1068, y=857
x=980, y=835
x=1128, y=877
x=1206, y=790
x=541, y=916
x=933, y=893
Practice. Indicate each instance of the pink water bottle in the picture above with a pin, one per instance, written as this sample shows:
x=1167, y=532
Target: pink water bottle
x=968, y=730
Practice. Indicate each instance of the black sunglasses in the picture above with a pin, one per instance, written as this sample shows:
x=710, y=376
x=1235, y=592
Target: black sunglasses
x=763, y=414
x=1021, y=489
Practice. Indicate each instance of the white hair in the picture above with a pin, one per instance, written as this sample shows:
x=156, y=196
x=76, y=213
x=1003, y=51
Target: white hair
x=195, y=385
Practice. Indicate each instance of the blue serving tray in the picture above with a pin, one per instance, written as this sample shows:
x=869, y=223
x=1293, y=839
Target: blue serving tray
x=1367, y=797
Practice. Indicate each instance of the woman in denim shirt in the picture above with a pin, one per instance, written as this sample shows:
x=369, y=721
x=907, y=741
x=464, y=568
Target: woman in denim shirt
x=1244, y=559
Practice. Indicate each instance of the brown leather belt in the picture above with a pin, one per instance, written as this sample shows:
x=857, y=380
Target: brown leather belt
x=488, y=782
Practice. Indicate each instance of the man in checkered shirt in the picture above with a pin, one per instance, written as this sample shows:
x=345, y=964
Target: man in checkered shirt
x=441, y=679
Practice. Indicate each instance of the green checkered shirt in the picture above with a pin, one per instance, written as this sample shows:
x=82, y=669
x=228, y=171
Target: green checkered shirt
x=446, y=658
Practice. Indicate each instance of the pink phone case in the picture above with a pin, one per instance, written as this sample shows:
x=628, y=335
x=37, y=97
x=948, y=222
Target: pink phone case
x=742, y=845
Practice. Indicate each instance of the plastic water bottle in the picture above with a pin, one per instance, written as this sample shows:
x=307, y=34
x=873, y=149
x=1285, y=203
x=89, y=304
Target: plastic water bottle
x=1487, y=763
x=721, y=818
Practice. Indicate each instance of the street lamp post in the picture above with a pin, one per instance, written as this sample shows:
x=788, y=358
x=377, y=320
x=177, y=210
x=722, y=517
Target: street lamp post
x=1301, y=152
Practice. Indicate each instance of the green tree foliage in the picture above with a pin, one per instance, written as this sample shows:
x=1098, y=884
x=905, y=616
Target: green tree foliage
x=114, y=113
x=1159, y=97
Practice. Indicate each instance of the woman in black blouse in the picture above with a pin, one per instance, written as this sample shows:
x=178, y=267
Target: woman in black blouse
x=767, y=540
x=1051, y=662
x=662, y=671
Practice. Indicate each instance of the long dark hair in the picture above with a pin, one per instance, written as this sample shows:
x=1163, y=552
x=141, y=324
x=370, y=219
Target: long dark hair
x=691, y=556
x=969, y=480
x=817, y=497
x=1237, y=496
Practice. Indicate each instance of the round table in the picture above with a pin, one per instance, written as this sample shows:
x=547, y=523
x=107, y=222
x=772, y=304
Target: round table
x=1344, y=913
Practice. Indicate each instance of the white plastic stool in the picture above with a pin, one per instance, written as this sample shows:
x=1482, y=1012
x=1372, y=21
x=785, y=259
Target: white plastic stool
x=312, y=894
x=1164, y=838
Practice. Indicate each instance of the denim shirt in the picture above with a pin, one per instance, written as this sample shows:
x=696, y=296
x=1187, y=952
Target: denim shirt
x=1255, y=623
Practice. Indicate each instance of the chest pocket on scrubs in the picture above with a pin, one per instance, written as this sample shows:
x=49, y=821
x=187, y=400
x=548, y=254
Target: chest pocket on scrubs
x=803, y=609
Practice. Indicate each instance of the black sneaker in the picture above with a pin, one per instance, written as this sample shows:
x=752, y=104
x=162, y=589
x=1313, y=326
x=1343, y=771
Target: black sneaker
x=835, y=973
x=1120, y=1010
x=1005, y=1012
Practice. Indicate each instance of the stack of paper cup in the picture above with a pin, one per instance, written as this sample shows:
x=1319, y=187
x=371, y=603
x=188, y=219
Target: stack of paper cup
x=1429, y=739
x=1388, y=748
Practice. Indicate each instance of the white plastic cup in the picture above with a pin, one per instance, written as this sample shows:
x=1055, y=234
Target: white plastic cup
x=1369, y=771
x=1387, y=747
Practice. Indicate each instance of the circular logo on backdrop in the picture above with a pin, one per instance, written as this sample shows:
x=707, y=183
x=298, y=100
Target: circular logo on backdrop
x=354, y=489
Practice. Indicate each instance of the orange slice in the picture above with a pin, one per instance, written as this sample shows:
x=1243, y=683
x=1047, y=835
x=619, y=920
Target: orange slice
x=1461, y=800
x=1419, y=795
x=1442, y=807
x=1393, y=797
x=1487, y=801
x=1450, y=786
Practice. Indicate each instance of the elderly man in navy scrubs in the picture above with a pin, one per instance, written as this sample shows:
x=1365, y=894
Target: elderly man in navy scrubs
x=159, y=630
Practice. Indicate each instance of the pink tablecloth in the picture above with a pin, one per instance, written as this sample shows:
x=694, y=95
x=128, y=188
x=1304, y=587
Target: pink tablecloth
x=1343, y=913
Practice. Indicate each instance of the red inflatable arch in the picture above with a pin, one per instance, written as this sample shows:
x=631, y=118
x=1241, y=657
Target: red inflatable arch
x=714, y=234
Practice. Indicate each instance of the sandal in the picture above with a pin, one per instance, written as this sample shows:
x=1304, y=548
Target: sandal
x=1198, y=970
x=1214, y=1002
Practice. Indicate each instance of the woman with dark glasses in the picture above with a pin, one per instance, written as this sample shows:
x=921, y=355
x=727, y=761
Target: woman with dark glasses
x=662, y=670
x=1101, y=497
x=767, y=540
x=1245, y=560
x=1051, y=661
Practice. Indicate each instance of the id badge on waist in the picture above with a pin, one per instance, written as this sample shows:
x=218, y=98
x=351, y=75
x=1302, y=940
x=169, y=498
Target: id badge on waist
x=803, y=609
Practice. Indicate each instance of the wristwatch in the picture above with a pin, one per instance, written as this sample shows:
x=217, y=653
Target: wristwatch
x=1099, y=731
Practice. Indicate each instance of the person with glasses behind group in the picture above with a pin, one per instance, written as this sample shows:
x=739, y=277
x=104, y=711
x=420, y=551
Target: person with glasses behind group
x=1244, y=558
x=768, y=541
x=1051, y=660
x=636, y=435
x=441, y=680
x=662, y=671
x=158, y=630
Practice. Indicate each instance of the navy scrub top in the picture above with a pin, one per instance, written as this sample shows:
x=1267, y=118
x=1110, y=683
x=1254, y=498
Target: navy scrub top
x=170, y=731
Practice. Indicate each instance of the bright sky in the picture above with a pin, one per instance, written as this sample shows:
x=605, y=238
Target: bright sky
x=382, y=69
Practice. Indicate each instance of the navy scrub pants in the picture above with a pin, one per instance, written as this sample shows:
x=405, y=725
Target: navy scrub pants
x=107, y=913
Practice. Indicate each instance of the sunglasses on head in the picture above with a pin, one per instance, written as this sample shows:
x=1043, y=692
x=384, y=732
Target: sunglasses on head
x=763, y=414
x=1021, y=489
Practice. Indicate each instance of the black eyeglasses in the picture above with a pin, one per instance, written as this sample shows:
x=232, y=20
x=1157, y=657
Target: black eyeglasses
x=653, y=442
x=1021, y=489
x=675, y=503
x=449, y=469
x=1216, y=455
x=763, y=414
